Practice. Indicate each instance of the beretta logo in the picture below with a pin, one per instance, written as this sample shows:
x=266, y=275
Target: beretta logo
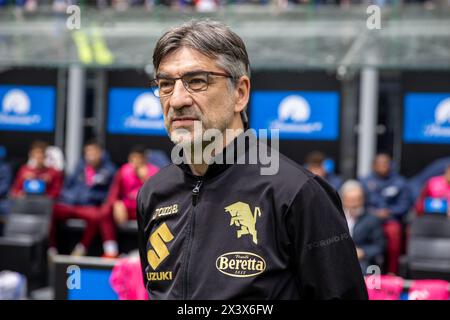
x=240, y=264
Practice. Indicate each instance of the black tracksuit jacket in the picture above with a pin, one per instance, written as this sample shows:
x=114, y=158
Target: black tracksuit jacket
x=236, y=234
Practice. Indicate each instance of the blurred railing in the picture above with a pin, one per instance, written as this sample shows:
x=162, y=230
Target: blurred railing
x=295, y=38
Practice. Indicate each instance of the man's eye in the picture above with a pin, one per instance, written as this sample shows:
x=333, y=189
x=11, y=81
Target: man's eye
x=164, y=84
x=197, y=81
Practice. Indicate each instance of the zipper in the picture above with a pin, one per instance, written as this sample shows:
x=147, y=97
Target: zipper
x=196, y=192
x=190, y=235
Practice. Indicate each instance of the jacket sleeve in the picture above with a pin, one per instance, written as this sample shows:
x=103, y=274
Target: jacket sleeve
x=71, y=180
x=113, y=193
x=5, y=179
x=114, y=189
x=97, y=197
x=17, y=186
x=402, y=203
x=376, y=238
x=56, y=184
x=323, y=253
x=425, y=192
x=69, y=193
x=141, y=236
x=98, y=193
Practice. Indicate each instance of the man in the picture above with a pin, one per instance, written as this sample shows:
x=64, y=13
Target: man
x=35, y=176
x=82, y=197
x=120, y=205
x=127, y=182
x=225, y=231
x=315, y=162
x=387, y=194
x=365, y=229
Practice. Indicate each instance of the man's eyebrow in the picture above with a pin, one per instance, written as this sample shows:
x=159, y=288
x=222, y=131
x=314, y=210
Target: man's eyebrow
x=193, y=72
x=164, y=75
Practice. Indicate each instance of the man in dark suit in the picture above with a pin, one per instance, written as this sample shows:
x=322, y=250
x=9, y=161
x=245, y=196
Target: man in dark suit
x=365, y=228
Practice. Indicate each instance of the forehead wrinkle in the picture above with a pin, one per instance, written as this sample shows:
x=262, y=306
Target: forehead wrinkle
x=185, y=60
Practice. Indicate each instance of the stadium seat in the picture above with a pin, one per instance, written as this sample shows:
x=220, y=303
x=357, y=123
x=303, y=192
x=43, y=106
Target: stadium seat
x=428, y=249
x=126, y=236
x=34, y=205
x=23, y=245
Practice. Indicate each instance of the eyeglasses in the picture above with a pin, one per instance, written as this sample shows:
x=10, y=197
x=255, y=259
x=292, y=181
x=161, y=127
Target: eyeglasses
x=192, y=81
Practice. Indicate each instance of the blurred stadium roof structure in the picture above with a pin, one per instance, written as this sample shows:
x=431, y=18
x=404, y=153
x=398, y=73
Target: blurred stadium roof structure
x=303, y=37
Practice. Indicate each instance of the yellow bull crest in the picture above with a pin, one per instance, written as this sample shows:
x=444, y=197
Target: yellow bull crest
x=243, y=218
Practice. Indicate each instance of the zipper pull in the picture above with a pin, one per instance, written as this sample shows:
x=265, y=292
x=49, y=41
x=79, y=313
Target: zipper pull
x=196, y=192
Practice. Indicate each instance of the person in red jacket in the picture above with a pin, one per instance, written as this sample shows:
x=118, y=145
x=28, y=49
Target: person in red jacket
x=35, y=171
x=120, y=205
x=127, y=182
x=436, y=187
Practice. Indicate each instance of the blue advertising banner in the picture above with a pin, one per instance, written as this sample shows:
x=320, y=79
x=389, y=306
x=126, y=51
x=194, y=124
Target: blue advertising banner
x=135, y=111
x=27, y=108
x=426, y=118
x=303, y=115
x=93, y=285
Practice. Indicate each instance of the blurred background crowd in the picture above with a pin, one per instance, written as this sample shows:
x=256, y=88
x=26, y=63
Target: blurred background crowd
x=200, y=5
x=378, y=207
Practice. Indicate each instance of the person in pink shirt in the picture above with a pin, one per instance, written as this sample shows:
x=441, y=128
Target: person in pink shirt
x=436, y=187
x=127, y=182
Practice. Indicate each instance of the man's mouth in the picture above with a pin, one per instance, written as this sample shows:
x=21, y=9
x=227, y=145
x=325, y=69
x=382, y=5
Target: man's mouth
x=182, y=121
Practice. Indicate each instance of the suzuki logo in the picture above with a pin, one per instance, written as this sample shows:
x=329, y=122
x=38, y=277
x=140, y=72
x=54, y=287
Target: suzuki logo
x=159, y=251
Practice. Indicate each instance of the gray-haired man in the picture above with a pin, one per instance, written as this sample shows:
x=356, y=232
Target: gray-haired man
x=215, y=230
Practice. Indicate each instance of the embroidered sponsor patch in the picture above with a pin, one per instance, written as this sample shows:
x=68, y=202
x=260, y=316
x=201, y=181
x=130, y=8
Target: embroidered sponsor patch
x=240, y=264
x=165, y=212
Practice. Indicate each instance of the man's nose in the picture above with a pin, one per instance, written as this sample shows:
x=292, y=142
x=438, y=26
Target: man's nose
x=180, y=96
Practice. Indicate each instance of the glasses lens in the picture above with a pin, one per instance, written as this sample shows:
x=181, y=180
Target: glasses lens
x=154, y=87
x=165, y=86
x=196, y=82
x=155, y=91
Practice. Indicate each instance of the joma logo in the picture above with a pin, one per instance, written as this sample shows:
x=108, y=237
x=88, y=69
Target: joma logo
x=165, y=211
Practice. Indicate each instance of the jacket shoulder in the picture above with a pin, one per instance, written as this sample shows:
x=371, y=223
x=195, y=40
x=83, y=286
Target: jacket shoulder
x=291, y=174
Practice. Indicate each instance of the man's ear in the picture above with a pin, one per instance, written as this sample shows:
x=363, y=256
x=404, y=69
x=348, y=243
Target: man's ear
x=242, y=93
